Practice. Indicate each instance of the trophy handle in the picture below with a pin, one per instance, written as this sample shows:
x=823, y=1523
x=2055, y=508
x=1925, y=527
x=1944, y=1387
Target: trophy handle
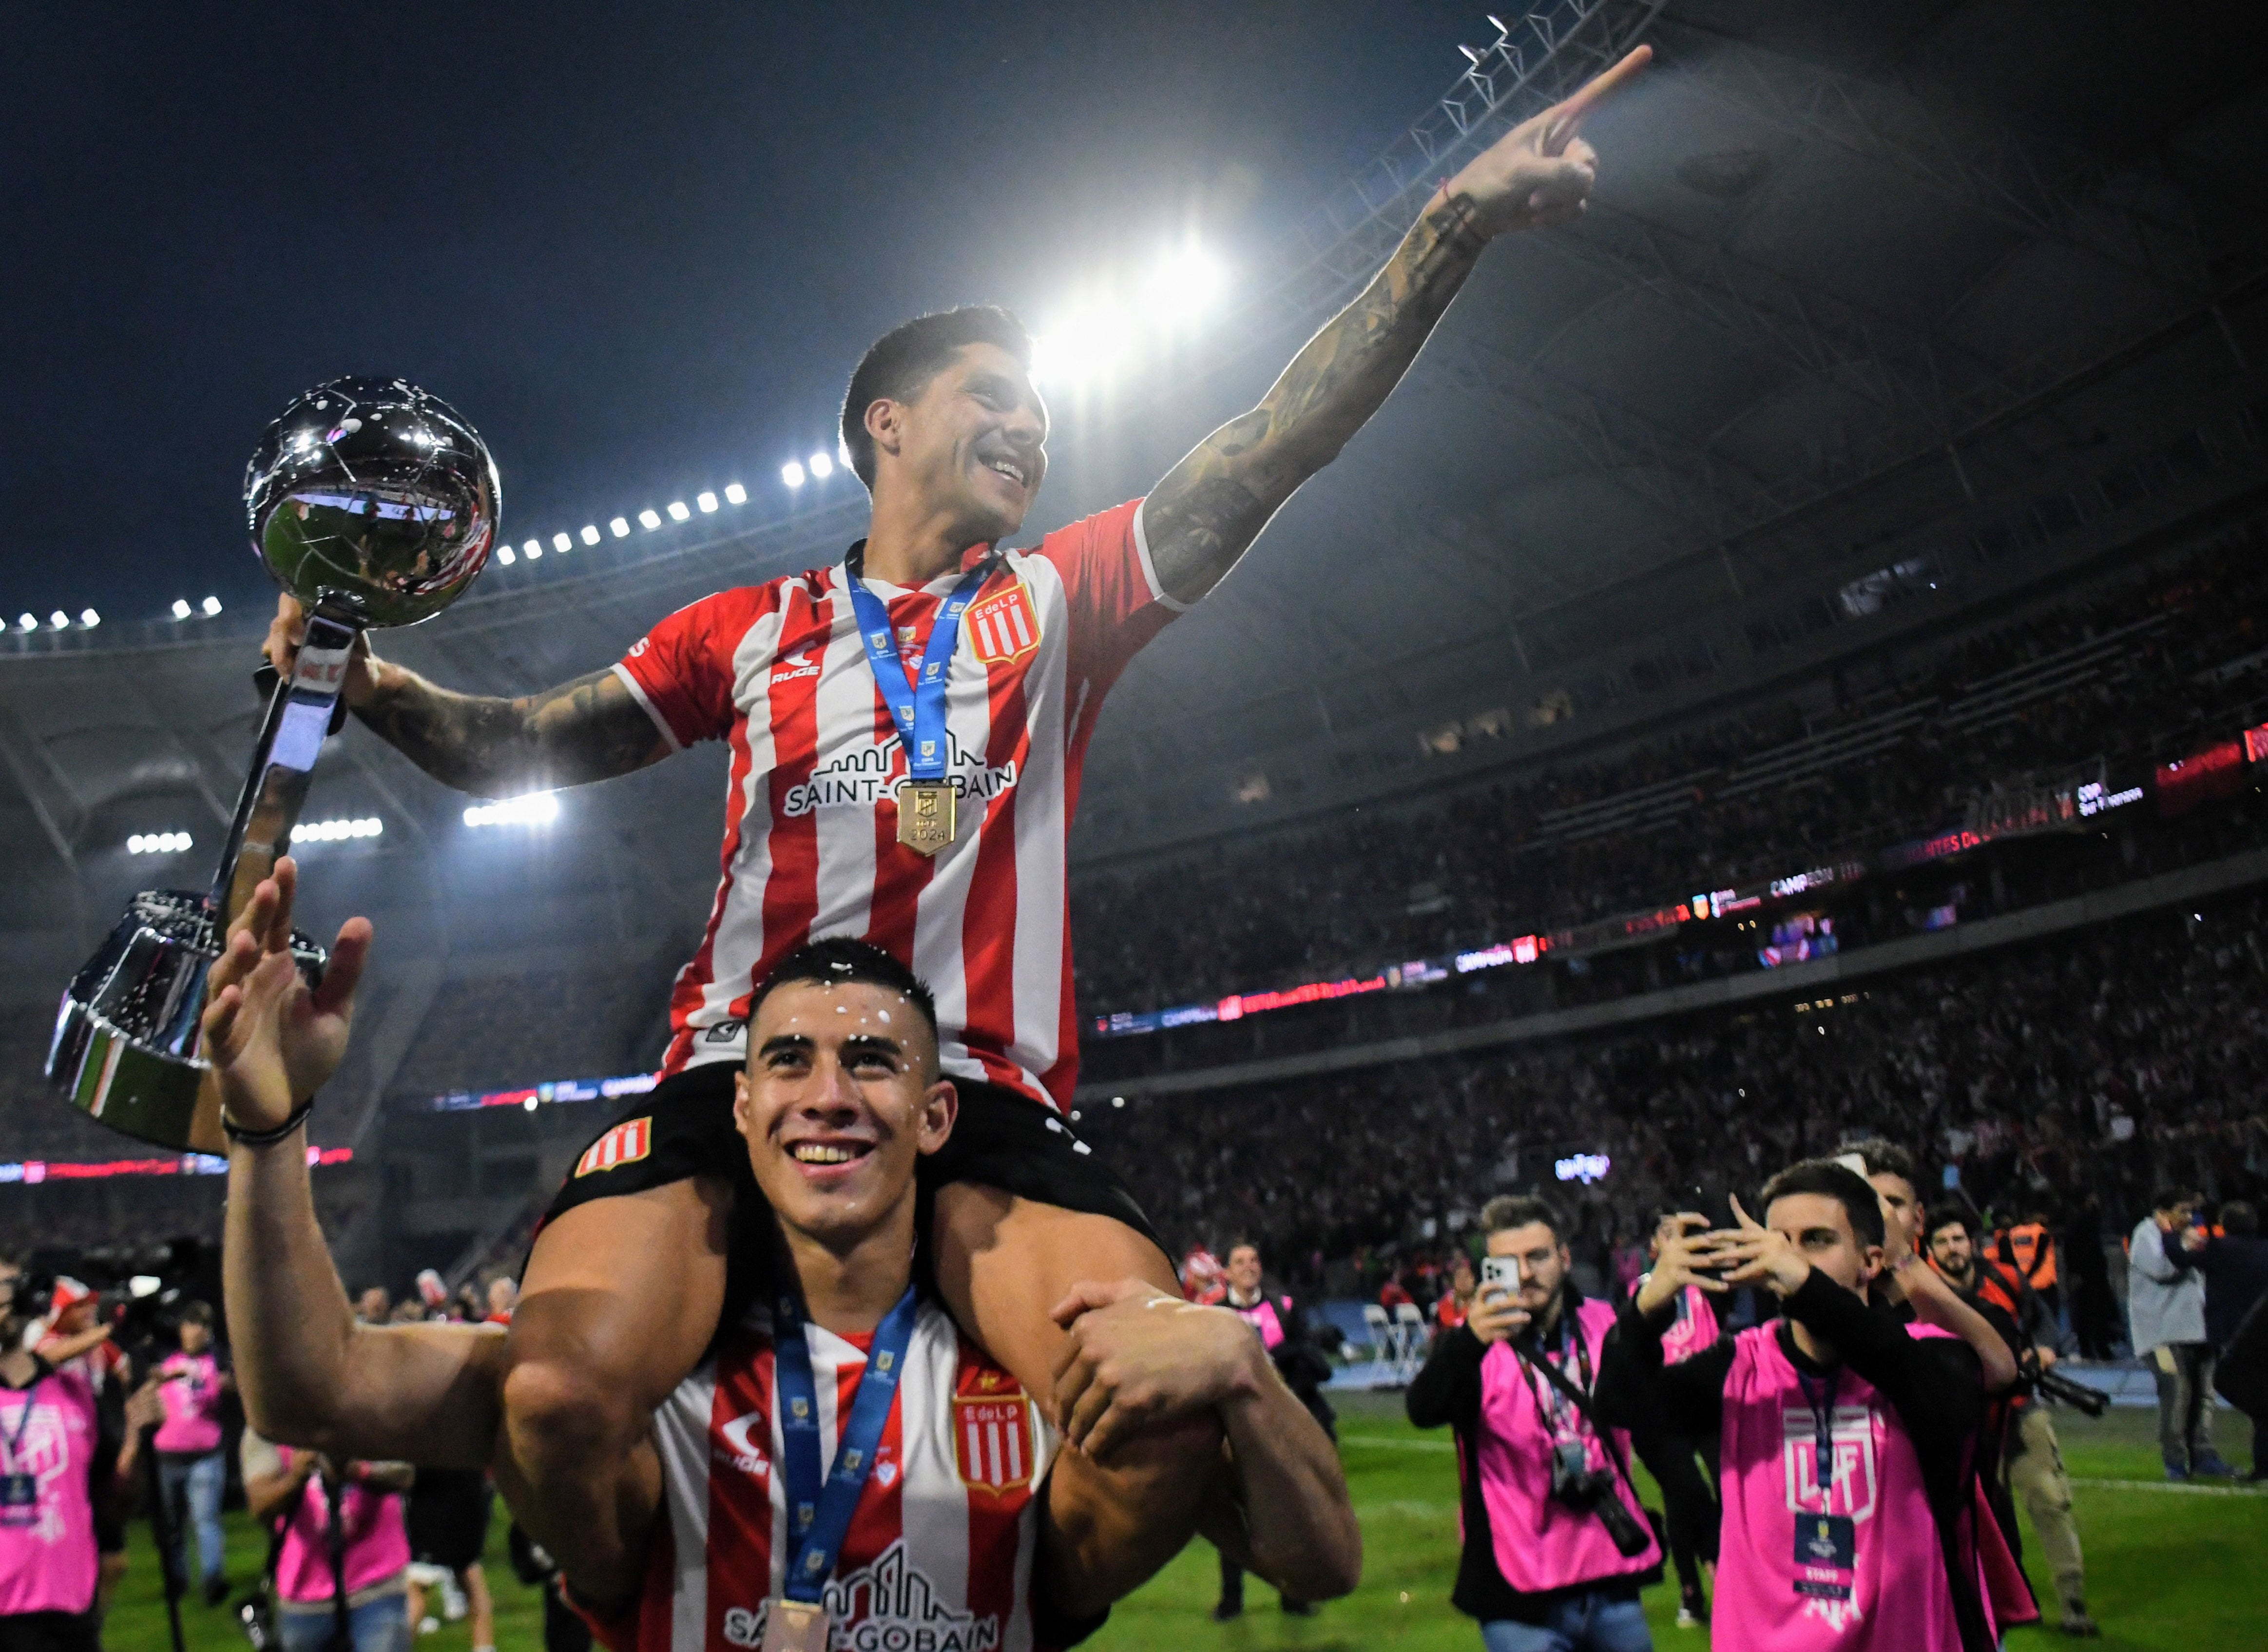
x=291, y=737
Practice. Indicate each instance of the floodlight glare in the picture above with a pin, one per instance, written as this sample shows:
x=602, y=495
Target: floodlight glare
x=650, y=518
x=822, y=465
x=620, y=529
x=792, y=473
x=181, y=609
x=211, y=605
x=677, y=511
x=1083, y=347
x=560, y=543
x=504, y=556
x=590, y=534
x=1182, y=287
x=536, y=808
x=532, y=550
x=706, y=500
x=59, y=619
x=27, y=623
x=328, y=831
x=735, y=494
x=89, y=619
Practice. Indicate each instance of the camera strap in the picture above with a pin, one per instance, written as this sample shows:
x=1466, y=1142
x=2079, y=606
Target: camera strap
x=1532, y=1354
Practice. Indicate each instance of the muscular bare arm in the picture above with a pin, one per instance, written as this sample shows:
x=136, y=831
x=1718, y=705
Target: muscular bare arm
x=1209, y=507
x=591, y=728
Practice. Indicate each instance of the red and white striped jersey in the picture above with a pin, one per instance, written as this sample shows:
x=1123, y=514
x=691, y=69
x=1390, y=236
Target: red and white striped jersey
x=780, y=673
x=941, y=1547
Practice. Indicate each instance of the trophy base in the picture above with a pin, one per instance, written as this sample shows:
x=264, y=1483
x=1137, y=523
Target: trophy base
x=126, y=1050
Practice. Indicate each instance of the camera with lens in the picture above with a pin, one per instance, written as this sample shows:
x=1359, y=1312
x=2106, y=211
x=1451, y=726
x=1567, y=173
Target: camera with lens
x=2055, y=1385
x=1586, y=1490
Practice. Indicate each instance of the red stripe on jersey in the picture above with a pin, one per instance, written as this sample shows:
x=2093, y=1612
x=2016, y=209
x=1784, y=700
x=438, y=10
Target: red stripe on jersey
x=991, y=1517
x=739, y=1497
x=987, y=933
x=880, y=1519
x=657, y=1605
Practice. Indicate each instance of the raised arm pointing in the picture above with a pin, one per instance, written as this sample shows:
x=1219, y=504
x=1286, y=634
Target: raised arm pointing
x=1212, y=505
x=591, y=728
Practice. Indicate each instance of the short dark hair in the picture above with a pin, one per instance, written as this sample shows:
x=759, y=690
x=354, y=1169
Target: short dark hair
x=1830, y=1180
x=839, y=961
x=1240, y=1244
x=2167, y=1197
x=898, y=364
x=1885, y=1157
x=1507, y=1211
x=197, y=1314
x=1953, y=1211
x=2238, y=1217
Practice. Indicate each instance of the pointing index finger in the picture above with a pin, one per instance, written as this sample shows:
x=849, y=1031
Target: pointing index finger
x=1569, y=117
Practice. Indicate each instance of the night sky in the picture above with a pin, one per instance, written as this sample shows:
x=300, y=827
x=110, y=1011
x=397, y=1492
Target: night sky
x=640, y=247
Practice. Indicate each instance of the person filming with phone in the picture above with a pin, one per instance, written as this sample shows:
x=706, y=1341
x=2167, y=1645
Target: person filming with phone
x=1556, y=1545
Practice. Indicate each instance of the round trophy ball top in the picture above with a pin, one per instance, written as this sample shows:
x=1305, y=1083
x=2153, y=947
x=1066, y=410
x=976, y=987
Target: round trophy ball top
x=372, y=501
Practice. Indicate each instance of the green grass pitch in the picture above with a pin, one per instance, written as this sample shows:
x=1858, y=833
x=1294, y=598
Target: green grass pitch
x=2181, y=1571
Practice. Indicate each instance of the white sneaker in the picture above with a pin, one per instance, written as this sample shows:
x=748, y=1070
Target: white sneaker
x=429, y=1626
x=1686, y=1619
x=453, y=1603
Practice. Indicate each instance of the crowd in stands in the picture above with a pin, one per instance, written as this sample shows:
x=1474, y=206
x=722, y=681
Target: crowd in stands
x=1375, y=885
x=2078, y=1073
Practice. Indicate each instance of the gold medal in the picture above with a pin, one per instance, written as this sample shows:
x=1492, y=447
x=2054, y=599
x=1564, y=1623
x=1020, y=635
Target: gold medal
x=925, y=815
x=794, y=1626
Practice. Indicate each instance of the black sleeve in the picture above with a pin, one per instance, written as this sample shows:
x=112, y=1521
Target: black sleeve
x=1636, y=1391
x=1448, y=1389
x=1936, y=1383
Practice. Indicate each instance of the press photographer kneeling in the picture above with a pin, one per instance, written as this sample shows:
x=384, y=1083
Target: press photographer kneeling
x=1556, y=1544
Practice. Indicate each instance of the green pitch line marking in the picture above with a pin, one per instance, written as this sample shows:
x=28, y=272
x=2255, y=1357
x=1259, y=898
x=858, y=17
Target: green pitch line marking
x=2183, y=1488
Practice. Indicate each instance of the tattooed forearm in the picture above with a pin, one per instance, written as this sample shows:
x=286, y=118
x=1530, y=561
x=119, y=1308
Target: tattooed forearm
x=1212, y=505
x=590, y=729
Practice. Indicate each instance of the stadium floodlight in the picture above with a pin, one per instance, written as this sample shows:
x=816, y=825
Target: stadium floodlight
x=211, y=605
x=181, y=609
x=677, y=511
x=822, y=465
x=792, y=473
x=504, y=556
x=561, y=543
x=590, y=534
x=536, y=808
x=1084, y=346
x=532, y=550
x=89, y=619
x=331, y=831
x=529, y=1105
x=706, y=500
x=25, y=621
x=650, y=519
x=1118, y=1101
x=59, y=619
x=735, y=494
x=619, y=528
x=1182, y=286
x=159, y=842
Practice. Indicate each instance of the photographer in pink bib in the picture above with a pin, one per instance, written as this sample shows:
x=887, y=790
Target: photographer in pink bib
x=1845, y=1440
x=1556, y=1544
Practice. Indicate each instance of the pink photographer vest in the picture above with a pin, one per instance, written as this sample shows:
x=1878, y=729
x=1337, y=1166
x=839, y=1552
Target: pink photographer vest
x=1889, y=1592
x=46, y=1546
x=1693, y=1330
x=377, y=1542
x=192, y=1425
x=1540, y=1542
x=1262, y=1317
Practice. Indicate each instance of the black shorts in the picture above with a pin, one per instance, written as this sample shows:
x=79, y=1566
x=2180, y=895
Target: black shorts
x=448, y=1517
x=50, y=1632
x=683, y=1127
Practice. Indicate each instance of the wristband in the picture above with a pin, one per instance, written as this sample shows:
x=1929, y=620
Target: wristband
x=244, y=1138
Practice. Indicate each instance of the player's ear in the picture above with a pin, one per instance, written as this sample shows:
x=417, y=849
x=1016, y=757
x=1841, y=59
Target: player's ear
x=1870, y=1261
x=740, y=1101
x=886, y=424
x=941, y=1107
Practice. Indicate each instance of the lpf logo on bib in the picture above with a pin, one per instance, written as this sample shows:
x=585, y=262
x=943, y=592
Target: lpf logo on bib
x=1850, y=1486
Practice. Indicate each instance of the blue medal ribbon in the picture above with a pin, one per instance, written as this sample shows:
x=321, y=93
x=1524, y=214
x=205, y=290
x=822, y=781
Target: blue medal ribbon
x=1823, y=1424
x=917, y=709
x=819, y=1516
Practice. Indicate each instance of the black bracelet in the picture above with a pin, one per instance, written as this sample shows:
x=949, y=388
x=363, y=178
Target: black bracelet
x=265, y=1137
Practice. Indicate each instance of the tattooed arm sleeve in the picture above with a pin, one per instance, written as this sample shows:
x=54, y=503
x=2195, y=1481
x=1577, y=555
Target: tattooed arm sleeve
x=591, y=728
x=1212, y=505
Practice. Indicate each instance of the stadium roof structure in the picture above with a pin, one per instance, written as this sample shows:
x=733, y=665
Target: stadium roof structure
x=1852, y=272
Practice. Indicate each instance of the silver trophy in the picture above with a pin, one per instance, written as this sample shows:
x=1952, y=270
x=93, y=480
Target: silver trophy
x=374, y=504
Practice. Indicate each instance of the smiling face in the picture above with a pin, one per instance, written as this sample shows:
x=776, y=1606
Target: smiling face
x=1820, y=1228
x=969, y=447
x=840, y=1098
x=1243, y=1270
